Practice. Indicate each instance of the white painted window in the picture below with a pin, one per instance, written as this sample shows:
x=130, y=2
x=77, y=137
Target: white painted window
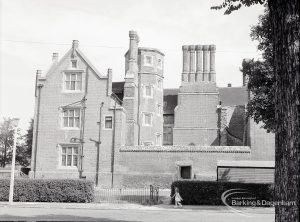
x=69, y=155
x=147, y=119
x=108, y=124
x=158, y=140
x=148, y=60
x=71, y=118
x=73, y=81
x=148, y=91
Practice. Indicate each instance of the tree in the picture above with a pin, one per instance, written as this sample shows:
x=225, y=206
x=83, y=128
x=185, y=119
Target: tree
x=23, y=154
x=6, y=141
x=24, y=143
x=261, y=78
x=285, y=28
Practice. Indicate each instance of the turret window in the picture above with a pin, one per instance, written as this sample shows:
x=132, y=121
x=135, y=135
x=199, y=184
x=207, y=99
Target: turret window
x=159, y=84
x=159, y=64
x=147, y=119
x=148, y=60
x=148, y=91
x=159, y=110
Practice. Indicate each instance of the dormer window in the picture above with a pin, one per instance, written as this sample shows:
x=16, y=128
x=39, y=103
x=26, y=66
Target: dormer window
x=74, y=64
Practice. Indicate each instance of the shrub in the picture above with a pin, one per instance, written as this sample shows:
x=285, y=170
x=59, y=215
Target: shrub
x=195, y=192
x=48, y=190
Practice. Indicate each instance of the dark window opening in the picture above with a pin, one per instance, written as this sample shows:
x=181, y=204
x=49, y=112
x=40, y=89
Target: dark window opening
x=185, y=172
x=108, y=122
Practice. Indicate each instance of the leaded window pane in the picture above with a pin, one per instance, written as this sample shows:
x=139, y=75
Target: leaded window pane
x=76, y=121
x=69, y=160
x=75, y=160
x=73, y=77
x=66, y=122
x=63, y=160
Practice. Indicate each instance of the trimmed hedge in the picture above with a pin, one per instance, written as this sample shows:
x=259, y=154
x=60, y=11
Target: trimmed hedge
x=194, y=192
x=48, y=190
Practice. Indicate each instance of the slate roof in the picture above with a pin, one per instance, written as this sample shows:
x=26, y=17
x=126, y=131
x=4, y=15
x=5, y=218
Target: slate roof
x=118, y=89
x=233, y=96
x=230, y=96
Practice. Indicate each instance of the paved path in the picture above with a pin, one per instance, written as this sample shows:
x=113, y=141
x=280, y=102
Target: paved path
x=129, y=212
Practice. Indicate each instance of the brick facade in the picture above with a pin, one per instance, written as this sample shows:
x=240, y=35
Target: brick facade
x=73, y=98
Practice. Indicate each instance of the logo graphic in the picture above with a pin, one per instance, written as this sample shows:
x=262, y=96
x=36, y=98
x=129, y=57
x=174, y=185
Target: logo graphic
x=238, y=197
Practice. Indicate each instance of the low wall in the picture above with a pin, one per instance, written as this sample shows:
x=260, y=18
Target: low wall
x=140, y=166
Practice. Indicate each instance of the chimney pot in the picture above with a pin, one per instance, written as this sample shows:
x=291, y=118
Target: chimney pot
x=109, y=71
x=38, y=72
x=229, y=85
x=75, y=44
x=54, y=57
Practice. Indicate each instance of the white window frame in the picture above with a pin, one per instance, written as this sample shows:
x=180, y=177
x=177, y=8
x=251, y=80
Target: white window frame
x=146, y=63
x=112, y=121
x=61, y=147
x=144, y=118
x=76, y=90
x=63, y=118
x=145, y=91
x=158, y=143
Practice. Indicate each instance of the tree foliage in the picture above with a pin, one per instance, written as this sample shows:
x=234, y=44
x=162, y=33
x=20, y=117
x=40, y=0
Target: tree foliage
x=24, y=143
x=261, y=78
x=233, y=5
x=285, y=35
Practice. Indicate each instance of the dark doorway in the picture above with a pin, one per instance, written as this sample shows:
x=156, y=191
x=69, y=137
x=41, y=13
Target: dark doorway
x=185, y=172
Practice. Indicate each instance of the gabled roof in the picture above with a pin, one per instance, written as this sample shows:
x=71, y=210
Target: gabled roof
x=230, y=96
x=82, y=56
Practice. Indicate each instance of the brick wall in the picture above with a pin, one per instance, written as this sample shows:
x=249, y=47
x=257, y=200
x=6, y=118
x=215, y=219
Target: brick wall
x=196, y=117
x=262, y=143
x=51, y=134
x=144, y=165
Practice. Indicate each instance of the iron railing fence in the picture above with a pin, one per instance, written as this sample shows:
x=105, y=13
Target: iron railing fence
x=128, y=195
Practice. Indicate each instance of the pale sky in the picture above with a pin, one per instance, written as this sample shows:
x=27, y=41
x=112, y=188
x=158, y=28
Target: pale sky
x=31, y=30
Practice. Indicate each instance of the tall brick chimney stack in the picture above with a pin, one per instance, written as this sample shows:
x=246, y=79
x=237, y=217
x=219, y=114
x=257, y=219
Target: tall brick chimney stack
x=212, y=71
x=192, y=63
x=199, y=63
x=75, y=44
x=133, y=54
x=206, y=63
x=130, y=101
x=186, y=63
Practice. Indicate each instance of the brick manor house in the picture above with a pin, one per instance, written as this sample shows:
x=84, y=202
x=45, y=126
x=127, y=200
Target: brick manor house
x=135, y=133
